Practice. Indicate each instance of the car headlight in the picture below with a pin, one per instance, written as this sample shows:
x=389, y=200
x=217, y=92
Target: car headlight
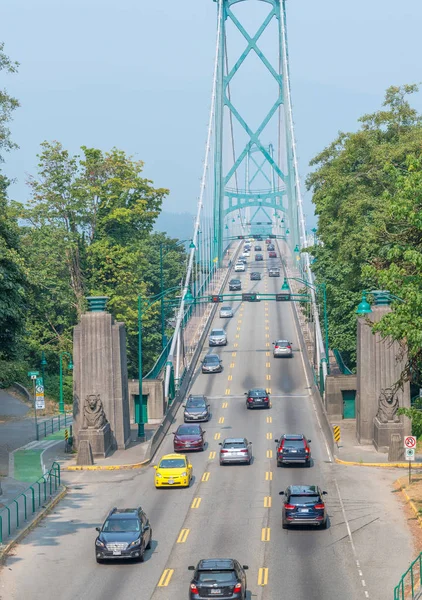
x=157, y=474
x=98, y=542
x=183, y=474
x=135, y=543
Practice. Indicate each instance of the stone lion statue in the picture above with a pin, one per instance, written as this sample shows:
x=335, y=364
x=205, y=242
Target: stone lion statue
x=94, y=415
x=388, y=405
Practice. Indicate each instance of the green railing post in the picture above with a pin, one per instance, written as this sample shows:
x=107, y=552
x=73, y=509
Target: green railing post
x=1, y=529
x=8, y=520
x=45, y=428
x=45, y=487
x=32, y=498
x=412, y=582
x=25, y=512
x=16, y=503
x=39, y=493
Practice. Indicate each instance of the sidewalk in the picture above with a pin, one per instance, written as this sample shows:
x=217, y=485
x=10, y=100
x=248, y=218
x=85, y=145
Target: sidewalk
x=349, y=450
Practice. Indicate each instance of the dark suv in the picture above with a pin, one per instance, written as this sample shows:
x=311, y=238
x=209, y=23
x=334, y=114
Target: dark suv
x=126, y=533
x=303, y=505
x=222, y=578
x=235, y=284
x=293, y=448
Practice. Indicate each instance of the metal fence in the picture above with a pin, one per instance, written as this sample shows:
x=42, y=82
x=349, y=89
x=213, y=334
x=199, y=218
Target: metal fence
x=45, y=428
x=410, y=583
x=339, y=359
x=26, y=504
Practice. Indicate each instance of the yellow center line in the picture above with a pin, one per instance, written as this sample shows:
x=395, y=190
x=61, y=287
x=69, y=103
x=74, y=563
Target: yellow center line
x=268, y=354
x=230, y=377
x=234, y=354
x=235, y=345
x=269, y=453
x=225, y=405
x=221, y=420
x=269, y=419
x=268, y=476
x=211, y=456
x=238, y=336
x=268, y=344
x=165, y=578
x=239, y=328
x=227, y=391
x=206, y=476
x=217, y=436
x=265, y=534
x=268, y=377
x=183, y=536
x=197, y=501
x=268, y=365
x=269, y=436
x=267, y=335
x=239, y=321
x=232, y=365
x=267, y=502
x=263, y=576
x=268, y=390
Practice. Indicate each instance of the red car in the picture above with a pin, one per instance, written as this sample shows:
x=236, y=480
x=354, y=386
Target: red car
x=268, y=241
x=272, y=254
x=188, y=437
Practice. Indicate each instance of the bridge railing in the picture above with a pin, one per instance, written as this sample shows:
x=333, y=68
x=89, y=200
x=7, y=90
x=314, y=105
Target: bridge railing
x=24, y=506
x=339, y=359
x=410, y=582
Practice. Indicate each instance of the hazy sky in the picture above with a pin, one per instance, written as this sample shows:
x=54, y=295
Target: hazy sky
x=137, y=74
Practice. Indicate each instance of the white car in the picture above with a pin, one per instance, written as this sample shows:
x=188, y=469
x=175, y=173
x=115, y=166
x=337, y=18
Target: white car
x=246, y=253
x=239, y=267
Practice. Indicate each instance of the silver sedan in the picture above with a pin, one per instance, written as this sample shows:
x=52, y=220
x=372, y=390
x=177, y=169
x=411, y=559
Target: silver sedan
x=235, y=450
x=226, y=312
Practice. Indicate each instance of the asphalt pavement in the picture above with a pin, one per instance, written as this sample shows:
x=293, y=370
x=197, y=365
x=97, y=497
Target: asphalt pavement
x=229, y=511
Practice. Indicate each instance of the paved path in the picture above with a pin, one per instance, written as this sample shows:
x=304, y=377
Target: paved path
x=16, y=427
x=351, y=560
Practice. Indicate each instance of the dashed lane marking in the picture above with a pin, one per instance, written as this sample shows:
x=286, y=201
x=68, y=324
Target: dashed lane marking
x=267, y=328
x=206, y=476
x=196, y=502
x=269, y=419
x=225, y=405
x=235, y=345
x=239, y=328
x=232, y=365
x=234, y=354
x=268, y=365
x=267, y=335
x=267, y=353
x=267, y=502
x=265, y=534
x=269, y=436
x=165, y=577
x=262, y=576
x=183, y=536
x=269, y=391
x=237, y=336
x=268, y=476
x=268, y=377
x=268, y=344
x=227, y=391
x=211, y=456
x=217, y=436
x=269, y=453
x=230, y=377
x=221, y=420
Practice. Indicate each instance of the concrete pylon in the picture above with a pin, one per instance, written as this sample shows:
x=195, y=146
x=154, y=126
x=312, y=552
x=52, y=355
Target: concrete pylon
x=100, y=367
x=380, y=363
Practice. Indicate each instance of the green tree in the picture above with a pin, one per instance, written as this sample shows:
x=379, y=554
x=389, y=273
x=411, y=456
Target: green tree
x=353, y=187
x=7, y=105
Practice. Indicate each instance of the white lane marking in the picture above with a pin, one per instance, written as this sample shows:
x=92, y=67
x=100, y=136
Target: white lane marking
x=349, y=533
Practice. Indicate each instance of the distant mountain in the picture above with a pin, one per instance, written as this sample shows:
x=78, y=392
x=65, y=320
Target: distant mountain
x=176, y=225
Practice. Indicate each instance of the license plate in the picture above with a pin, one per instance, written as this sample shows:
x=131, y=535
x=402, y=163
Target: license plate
x=187, y=445
x=215, y=591
x=304, y=510
x=170, y=481
x=293, y=451
x=117, y=553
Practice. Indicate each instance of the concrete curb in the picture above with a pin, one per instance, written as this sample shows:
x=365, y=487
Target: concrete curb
x=21, y=534
x=139, y=465
x=409, y=501
x=399, y=465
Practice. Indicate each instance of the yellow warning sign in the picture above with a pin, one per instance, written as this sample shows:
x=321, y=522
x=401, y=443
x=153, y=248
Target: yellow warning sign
x=66, y=434
x=336, y=432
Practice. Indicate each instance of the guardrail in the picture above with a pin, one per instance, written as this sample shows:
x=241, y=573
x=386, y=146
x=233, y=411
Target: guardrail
x=45, y=428
x=410, y=582
x=26, y=504
x=339, y=359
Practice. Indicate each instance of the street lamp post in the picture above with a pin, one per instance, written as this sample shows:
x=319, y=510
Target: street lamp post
x=70, y=367
x=323, y=287
x=43, y=365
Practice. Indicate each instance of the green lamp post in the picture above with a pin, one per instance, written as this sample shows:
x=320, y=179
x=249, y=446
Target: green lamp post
x=43, y=365
x=70, y=367
x=364, y=308
x=285, y=287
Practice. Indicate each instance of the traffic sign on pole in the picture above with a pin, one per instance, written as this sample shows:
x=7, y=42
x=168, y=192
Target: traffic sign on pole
x=410, y=441
x=410, y=453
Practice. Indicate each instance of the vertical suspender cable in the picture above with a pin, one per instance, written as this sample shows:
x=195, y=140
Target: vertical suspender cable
x=169, y=363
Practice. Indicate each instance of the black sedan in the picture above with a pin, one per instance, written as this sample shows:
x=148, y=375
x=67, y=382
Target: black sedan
x=196, y=409
x=211, y=364
x=255, y=276
x=222, y=578
x=257, y=398
x=126, y=533
x=304, y=505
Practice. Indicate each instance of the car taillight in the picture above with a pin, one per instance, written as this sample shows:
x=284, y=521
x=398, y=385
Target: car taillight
x=280, y=449
x=223, y=451
x=193, y=588
x=250, y=399
x=237, y=588
x=319, y=506
x=265, y=399
x=288, y=347
x=244, y=450
x=289, y=506
x=307, y=450
x=276, y=347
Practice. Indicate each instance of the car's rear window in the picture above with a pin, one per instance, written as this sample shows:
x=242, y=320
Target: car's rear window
x=283, y=343
x=294, y=444
x=234, y=445
x=121, y=525
x=257, y=393
x=172, y=463
x=216, y=576
x=218, y=332
x=226, y=308
x=211, y=359
x=304, y=499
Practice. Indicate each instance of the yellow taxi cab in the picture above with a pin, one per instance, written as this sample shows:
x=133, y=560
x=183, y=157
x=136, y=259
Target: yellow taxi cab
x=173, y=470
